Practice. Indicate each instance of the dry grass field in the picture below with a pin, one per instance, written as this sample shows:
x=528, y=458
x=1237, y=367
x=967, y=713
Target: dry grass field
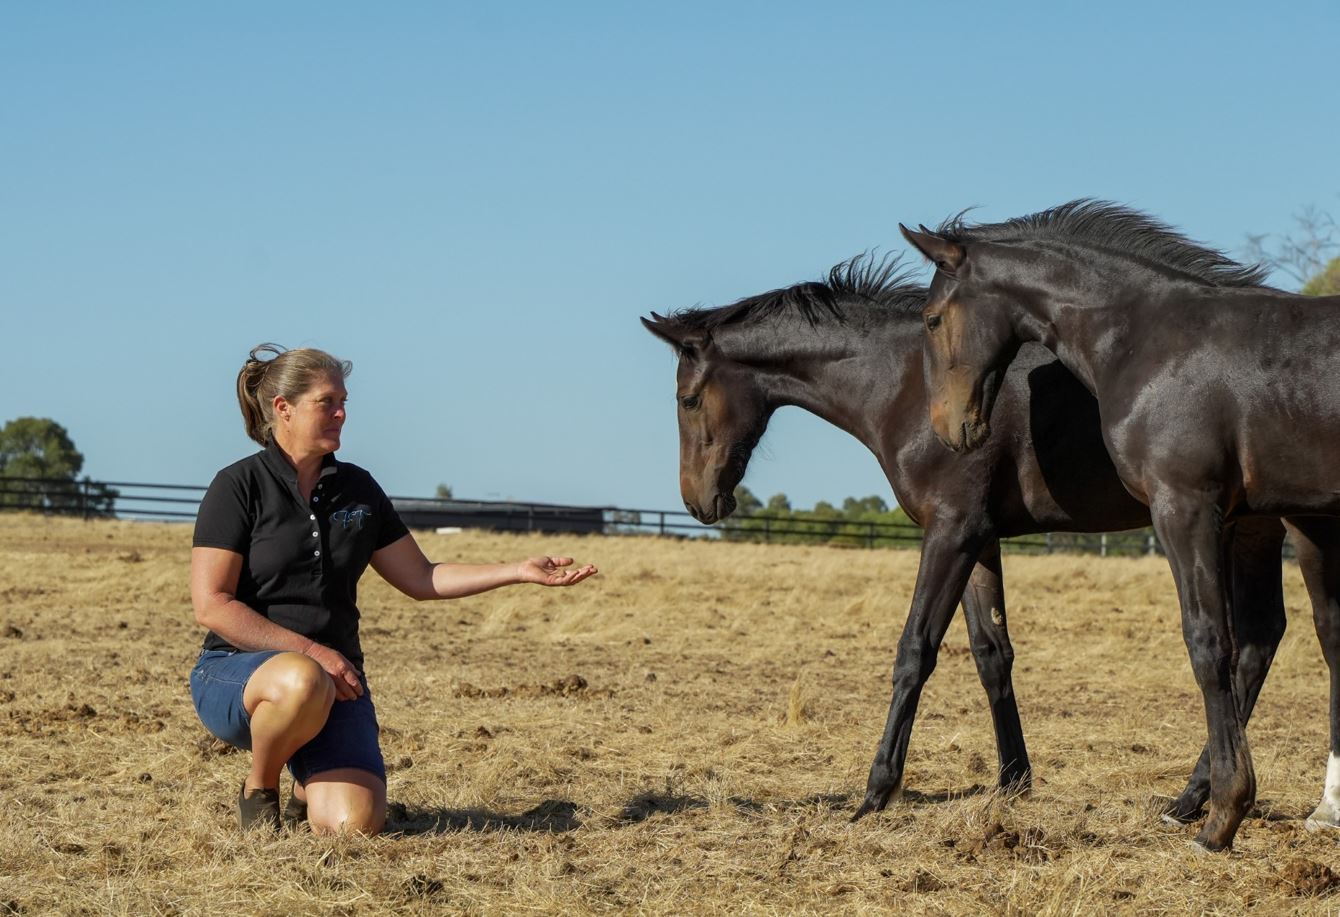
x=687, y=733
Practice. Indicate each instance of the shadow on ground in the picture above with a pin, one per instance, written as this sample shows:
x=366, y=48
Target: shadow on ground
x=560, y=815
x=553, y=815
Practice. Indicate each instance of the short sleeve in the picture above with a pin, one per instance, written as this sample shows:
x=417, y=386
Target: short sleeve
x=223, y=520
x=392, y=527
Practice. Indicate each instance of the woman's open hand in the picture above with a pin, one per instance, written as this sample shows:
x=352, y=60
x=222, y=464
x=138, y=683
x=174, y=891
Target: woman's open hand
x=548, y=571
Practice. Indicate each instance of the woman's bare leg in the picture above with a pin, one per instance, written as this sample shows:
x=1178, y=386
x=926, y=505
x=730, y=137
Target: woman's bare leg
x=288, y=699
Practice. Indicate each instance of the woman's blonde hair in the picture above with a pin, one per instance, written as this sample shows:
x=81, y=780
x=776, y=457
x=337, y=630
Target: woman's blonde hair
x=287, y=372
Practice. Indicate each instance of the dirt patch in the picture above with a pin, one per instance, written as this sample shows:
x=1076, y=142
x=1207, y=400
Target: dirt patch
x=1304, y=878
x=571, y=686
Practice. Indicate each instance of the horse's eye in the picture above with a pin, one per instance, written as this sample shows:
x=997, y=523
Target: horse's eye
x=690, y=402
x=932, y=322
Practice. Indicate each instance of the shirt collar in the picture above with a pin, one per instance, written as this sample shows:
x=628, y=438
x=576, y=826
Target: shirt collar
x=279, y=463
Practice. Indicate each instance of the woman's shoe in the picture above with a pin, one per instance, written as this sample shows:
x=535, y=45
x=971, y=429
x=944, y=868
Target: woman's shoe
x=258, y=807
x=295, y=813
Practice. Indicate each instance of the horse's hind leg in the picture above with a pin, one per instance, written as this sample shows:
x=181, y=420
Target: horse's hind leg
x=984, y=610
x=1256, y=598
x=947, y=559
x=1318, y=543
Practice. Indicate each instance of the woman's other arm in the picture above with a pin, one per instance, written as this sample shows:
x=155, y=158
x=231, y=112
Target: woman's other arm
x=214, y=577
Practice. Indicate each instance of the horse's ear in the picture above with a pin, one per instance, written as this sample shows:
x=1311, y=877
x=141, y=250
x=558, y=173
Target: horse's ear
x=663, y=329
x=946, y=255
x=687, y=342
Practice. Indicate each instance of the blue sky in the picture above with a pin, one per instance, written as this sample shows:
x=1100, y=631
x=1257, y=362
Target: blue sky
x=475, y=202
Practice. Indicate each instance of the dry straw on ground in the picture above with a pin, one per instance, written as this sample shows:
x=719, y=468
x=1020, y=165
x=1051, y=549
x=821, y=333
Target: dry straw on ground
x=687, y=733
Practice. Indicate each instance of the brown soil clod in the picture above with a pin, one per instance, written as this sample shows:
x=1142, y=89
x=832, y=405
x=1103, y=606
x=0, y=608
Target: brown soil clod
x=1307, y=879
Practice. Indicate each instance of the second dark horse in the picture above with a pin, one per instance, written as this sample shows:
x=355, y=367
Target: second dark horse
x=849, y=349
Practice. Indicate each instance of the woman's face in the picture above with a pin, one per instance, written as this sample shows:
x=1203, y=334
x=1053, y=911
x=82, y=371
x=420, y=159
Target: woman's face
x=312, y=423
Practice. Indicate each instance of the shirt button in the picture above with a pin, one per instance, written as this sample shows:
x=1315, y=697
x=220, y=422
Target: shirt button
x=316, y=534
x=316, y=553
x=316, y=499
x=312, y=517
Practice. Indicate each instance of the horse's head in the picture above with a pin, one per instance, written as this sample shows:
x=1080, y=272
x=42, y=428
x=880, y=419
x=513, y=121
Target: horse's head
x=722, y=415
x=969, y=341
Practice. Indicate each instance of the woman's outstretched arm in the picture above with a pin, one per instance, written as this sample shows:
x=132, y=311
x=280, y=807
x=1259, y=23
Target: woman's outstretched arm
x=403, y=564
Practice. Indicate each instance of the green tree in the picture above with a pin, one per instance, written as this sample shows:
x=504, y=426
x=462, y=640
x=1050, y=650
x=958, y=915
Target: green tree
x=871, y=504
x=38, y=468
x=443, y=492
x=1326, y=282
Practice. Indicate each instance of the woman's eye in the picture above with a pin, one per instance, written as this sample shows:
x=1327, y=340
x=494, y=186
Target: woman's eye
x=689, y=401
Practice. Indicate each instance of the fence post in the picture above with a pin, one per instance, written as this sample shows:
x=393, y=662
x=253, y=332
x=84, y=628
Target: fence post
x=662, y=522
x=1149, y=544
x=870, y=535
x=1049, y=542
x=767, y=530
x=1102, y=545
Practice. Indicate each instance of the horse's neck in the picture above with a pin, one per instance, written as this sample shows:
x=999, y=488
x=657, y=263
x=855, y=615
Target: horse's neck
x=845, y=374
x=1094, y=318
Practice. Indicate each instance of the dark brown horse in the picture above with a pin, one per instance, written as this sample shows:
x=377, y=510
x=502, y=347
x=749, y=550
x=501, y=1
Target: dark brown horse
x=1219, y=401
x=849, y=350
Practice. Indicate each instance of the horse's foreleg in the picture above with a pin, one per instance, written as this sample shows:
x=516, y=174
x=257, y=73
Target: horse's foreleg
x=947, y=559
x=1190, y=526
x=984, y=610
x=1257, y=607
x=1318, y=544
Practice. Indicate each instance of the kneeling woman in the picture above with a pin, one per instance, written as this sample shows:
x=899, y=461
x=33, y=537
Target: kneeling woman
x=281, y=540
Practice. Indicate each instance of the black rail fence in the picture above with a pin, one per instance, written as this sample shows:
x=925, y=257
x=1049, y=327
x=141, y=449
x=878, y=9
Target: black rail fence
x=179, y=502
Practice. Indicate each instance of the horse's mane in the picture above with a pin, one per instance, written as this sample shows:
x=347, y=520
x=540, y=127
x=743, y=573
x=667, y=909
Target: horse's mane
x=877, y=280
x=1117, y=229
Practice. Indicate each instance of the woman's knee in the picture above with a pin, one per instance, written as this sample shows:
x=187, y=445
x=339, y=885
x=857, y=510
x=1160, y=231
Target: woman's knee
x=291, y=679
x=345, y=802
x=347, y=814
x=346, y=820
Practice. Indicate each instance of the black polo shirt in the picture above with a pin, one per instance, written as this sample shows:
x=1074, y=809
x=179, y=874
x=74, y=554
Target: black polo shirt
x=301, y=560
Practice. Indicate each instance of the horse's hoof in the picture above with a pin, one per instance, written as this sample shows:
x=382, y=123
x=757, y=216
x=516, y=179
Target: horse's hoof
x=872, y=803
x=1172, y=811
x=1207, y=845
x=1323, y=818
x=877, y=800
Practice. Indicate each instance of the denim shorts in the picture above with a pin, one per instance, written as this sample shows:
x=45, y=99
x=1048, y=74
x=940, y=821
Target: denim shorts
x=349, y=738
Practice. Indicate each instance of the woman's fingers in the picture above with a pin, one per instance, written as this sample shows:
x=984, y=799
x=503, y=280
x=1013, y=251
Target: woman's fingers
x=341, y=671
x=351, y=678
x=569, y=577
x=347, y=685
